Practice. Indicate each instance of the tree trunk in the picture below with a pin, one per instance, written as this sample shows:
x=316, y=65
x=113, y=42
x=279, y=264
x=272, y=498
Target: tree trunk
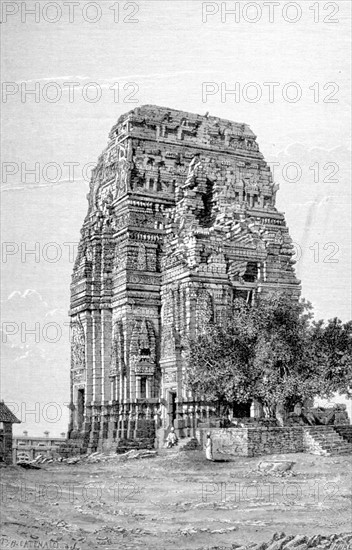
x=280, y=414
x=222, y=411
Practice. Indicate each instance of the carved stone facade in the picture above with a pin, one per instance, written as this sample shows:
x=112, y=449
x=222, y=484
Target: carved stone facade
x=181, y=221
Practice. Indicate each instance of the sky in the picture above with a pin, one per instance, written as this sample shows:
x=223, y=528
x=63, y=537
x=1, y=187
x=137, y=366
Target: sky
x=283, y=69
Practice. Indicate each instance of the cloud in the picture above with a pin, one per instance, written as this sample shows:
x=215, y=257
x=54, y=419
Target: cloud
x=57, y=312
x=28, y=294
x=30, y=186
x=111, y=80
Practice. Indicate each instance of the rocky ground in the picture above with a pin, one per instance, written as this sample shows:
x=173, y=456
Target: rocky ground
x=179, y=501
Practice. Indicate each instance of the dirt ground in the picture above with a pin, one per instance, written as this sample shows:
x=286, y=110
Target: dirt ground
x=173, y=501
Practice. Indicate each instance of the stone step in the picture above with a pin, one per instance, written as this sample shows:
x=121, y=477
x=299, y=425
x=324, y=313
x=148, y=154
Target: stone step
x=184, y=444
x=329, y=440
x=345, y=432
x=336, y=447
x=322, y=429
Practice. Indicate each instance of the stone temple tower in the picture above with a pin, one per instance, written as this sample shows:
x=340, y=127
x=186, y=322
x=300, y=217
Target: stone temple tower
x=181, y=220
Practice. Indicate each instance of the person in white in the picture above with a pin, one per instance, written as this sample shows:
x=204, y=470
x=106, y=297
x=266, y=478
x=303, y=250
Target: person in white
x=171, y=439
x=209, y=448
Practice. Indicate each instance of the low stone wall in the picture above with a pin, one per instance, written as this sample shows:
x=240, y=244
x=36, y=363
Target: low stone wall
x=228, y=442
x=264, y=441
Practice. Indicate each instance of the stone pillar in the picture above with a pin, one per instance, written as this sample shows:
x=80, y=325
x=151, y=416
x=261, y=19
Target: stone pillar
x=106, y=336
x=131, y=389
x=138, y=386
x=123, y=421
x=148, y=387
x=122, y=387
x=104, y=426
x=97, y=379
x=96, y=363
x=71, y=406
x=131, y=421
x=87, y=323
x=95, y=429
x=106, y=395
x=112, y=424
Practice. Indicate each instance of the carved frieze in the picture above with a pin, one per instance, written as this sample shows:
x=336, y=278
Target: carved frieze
x=78, y=358
x=117, y=363
x=167, y=341
x=204, y=309
x=143, y=350
x=170, y=377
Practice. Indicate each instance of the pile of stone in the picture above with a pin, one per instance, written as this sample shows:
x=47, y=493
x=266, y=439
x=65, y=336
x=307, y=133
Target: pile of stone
x=97, y=457
x=93, y=458
x=190, y=531
x=280, y=541
x=277, y=468
x=190, y=445
x=24, y=461
x=129, y=455
x=125, y=445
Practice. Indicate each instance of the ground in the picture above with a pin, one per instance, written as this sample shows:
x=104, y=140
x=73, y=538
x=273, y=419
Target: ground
x=173, y=501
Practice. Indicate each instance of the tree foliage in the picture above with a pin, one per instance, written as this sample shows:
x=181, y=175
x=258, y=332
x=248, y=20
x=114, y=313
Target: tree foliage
x=272, y=352
x=331, y=349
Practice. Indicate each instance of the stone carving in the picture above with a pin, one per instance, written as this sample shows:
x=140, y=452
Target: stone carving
x=144, y=368
x=204, y=310
x=77, y=345
x=170, y=377
x=143, y=347
x=117, y=363
x=237, y=270
x=167, y=341
x=78, y=362
x=78, y=376
x=167, y=309
x=95, y=184
x=193, y=168
x=141, y=258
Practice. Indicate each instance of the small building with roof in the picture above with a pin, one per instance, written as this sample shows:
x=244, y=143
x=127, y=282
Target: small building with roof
x=7, y=418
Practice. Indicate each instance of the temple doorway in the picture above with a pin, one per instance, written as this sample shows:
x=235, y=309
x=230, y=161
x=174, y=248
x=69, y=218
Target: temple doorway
x=80, y=407
x=172, y=407
x=241, y=410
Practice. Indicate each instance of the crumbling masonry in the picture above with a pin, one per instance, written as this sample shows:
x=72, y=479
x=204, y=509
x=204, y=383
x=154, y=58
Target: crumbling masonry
x=181, y=221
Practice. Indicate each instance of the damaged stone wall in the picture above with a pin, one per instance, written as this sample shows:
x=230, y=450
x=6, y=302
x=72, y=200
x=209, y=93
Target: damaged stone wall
x=252, y=441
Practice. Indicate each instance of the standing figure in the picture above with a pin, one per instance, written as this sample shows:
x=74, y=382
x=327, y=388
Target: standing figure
x=171, y=439
x=209, y=448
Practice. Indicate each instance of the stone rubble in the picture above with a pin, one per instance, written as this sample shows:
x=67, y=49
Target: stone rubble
x=275, y=467
x=93, y=458
x=281, y=541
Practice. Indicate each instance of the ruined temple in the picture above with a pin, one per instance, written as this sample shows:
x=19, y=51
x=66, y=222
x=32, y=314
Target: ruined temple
x=181, y=221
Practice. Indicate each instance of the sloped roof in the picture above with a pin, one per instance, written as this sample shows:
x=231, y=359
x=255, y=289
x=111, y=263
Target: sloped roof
x=6, y=415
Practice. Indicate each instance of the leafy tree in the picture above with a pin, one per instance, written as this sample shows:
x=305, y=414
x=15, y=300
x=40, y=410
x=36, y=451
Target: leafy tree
x=331, y=346
x=271, y=352
x=218, y=366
